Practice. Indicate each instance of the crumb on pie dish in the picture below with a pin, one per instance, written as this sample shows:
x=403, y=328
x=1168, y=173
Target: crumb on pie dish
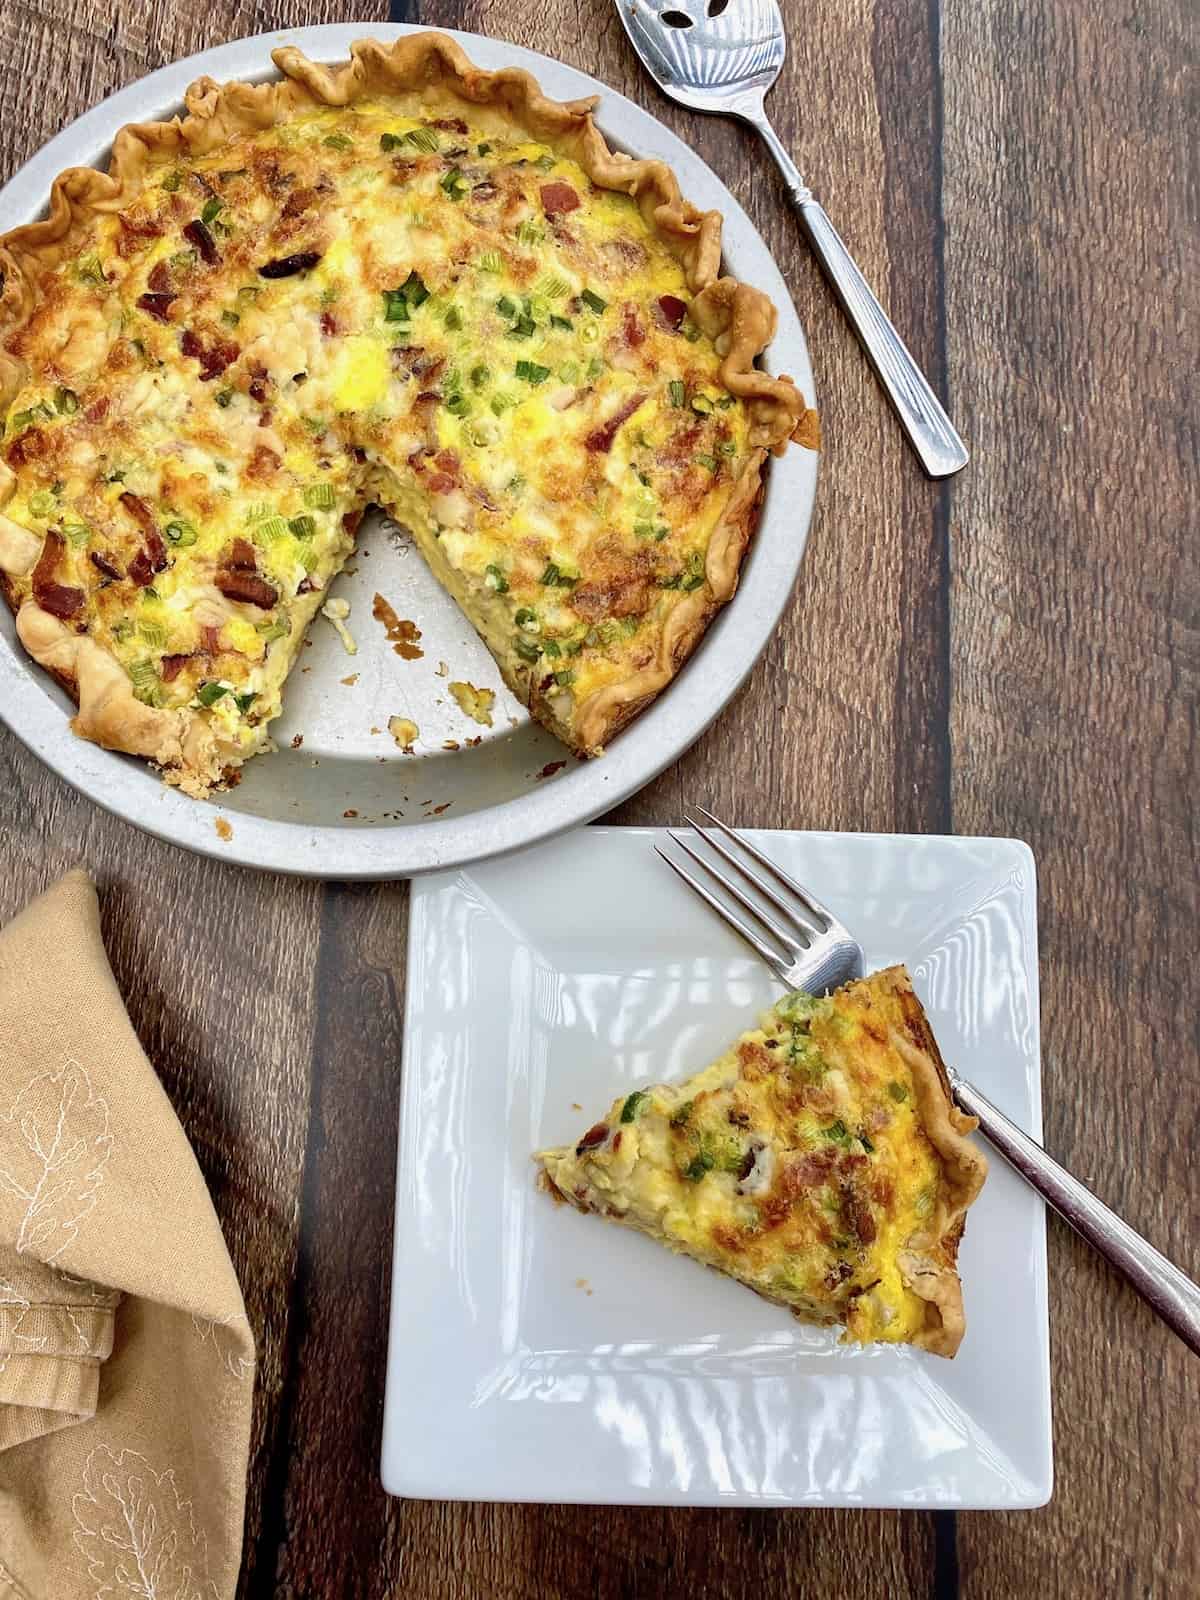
x=402, y=282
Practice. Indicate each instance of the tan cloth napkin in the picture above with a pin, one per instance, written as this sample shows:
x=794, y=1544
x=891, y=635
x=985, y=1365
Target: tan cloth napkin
x=126, y=1361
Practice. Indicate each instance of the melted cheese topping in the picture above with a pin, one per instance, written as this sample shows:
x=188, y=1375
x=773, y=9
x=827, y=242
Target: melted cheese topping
x=404, y=301
x=796, y=1162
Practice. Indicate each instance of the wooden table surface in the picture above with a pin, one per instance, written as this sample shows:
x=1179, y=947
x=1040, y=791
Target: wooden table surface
x=1013, y=652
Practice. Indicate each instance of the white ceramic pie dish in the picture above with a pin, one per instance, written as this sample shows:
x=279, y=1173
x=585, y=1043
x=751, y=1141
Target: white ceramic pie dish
x=347, y=803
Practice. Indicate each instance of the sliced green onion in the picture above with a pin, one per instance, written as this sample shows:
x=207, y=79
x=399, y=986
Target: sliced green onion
x=528, y=232
x=569, y=371
x=593, y=302
x=212, y=210
x=702, y=405
x=89, y=270
x=395, y=305
x=531, y=372
x=691, y=332
x=897, y=1092
x=480, y=375
x=453, y=184
x=560, y=322
x=230, y=319
x=553, y=578
x=153, y=633
x=272, y=528
x=303, y=527
x=77, y=533
x=67, y=401
x=172, y=181
x=319, y=496
x=726, y=447
x=495, y=579
x=565, y=678
x=423, y=139
x=209, y=693
x=677, y=391
x=223, y=397
x=391, y=141
x=552, y=287
x=632, y=1104
x=457, y=405
x=268, y=631
x=245, y=701
x=503, y=402
x=338, y=141
x=453, y=319
x=482, y=149
x=506, y=307
x=527, y=619
x=552, y=647
x=42, y=503
x=546, y=163
x=414, y=291
x=490, y=261
x=144, y=674
x=711, y=462
x=249, y=291
x=180, y=533
x=527, y=651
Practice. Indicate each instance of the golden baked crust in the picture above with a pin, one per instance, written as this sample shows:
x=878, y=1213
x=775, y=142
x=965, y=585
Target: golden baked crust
x=821, y=1161
x=197, y=747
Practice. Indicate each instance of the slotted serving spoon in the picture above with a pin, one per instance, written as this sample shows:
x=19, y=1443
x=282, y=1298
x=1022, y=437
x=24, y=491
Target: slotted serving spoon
x=722, y=56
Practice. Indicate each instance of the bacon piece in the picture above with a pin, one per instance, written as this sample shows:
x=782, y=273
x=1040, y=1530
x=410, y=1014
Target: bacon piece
x=289, y=266
x=213, y=358
x=594, y=1136
x=135, y=236
x=622, y=595
x=601, y=438
x=672, y=310
x=160, y=278
x=104, y=563
x=264, y=463
x=329, y=325
x=248, y=587
x=171, y=666
x=27, y=446
x=351, y=520
x=210, y=638
x=632, y=331
x=451, y=125
x=97, y=411
x=140, y=570
x=240, y=556
x=559, y=197
x=54, y=597
x=300, y=200
x=196, y=233
x=442, y=483
x=856, y=1214
x=156, y=305
x=139, y=511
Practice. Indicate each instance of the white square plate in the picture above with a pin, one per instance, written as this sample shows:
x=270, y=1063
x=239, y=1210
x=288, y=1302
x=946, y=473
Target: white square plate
x=537, y=1354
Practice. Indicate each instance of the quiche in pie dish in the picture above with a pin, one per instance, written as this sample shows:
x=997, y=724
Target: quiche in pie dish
x=821, y=1161
x=401, y=281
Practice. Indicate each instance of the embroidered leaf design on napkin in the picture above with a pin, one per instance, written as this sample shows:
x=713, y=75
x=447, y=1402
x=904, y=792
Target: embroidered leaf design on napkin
x=228, y=1337
x=136, y=1534
x=54, y=1143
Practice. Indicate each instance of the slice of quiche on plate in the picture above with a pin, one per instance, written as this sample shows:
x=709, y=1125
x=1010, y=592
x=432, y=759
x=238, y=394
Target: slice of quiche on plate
x=401, y=281
x=820, y=1161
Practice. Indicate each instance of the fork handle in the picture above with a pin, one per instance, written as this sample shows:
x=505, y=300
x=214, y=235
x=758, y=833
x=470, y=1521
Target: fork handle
x=921, y=414
x=1160, y=1283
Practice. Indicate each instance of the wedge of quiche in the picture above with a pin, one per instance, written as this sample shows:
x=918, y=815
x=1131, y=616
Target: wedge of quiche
x=401, y=281
x=821, y=1162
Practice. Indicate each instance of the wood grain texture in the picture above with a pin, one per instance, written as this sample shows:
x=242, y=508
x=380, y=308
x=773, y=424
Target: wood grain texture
x=1014, y=652
x=1075, y=602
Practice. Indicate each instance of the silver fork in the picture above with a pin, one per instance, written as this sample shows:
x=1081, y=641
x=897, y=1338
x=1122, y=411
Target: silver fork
x=811, y=950
x=722, y=56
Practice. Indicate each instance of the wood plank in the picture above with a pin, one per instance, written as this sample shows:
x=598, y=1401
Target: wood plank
x=1071, y=272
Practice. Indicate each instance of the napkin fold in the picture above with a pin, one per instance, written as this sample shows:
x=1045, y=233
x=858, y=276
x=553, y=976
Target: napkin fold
x=126, y=1360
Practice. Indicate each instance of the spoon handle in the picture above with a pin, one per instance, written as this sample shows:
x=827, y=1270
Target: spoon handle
x=930, y=432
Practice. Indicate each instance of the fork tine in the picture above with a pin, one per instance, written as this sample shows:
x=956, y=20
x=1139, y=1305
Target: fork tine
x=824, y=919
x=790, y=944
x=806, y=927
x=771, y=957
